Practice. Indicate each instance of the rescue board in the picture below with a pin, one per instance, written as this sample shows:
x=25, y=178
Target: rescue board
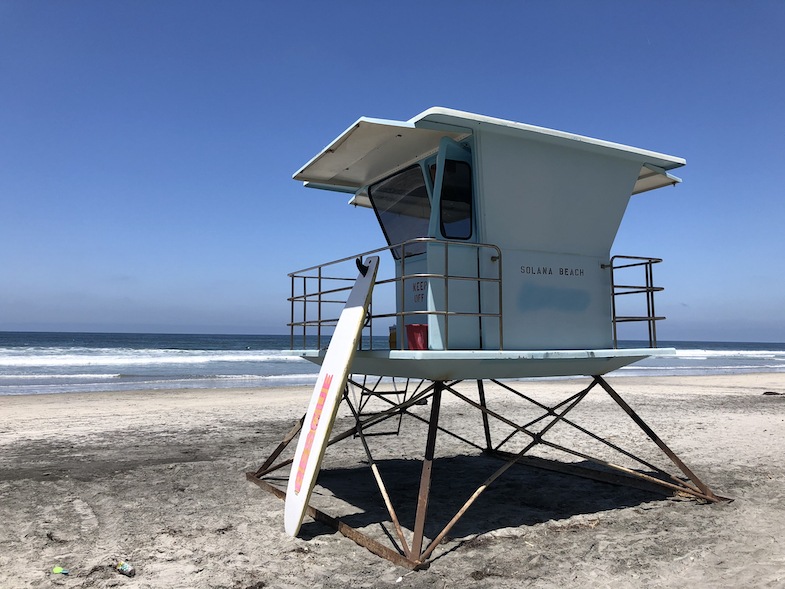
x=326, y=396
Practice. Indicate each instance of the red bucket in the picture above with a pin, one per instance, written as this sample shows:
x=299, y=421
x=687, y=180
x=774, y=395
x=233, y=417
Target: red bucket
x=417, y=336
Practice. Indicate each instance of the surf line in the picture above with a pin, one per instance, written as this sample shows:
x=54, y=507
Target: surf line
x=298, y=481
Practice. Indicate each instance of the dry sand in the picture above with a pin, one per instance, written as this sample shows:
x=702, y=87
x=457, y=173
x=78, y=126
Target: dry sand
x=157, y=478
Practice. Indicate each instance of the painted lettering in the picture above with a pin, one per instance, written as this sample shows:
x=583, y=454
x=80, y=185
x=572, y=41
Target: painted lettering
x=548, y=271
x=541, y=270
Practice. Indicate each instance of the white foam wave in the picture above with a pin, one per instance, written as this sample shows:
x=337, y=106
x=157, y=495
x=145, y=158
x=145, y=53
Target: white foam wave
x=707, y=369
x=698, y=354
x=256, y=377
x=130, y=357
x=91, y=376
x=289, y=376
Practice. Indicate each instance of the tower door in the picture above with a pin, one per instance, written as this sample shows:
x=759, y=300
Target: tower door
x=453, y=220
x=453, y=192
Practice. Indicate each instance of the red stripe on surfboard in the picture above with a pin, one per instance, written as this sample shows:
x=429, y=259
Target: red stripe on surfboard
x=317, y=414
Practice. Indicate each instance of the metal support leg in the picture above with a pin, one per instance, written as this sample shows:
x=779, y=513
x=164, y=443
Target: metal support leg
x=427, y=465
x=656, y=439
x=266, y=467
x=485, y=425
x=379, y=482
x=418, y=555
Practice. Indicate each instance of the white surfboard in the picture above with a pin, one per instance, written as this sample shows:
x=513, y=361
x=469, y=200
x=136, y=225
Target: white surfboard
x=326, y=397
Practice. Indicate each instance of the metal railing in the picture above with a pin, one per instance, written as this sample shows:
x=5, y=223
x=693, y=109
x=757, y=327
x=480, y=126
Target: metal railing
x=319, y=293
x=647, y=290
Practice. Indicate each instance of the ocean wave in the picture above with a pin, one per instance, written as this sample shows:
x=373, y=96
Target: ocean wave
x=87, y=357
x=698, y=354
x=707, y=369
x=53, y=363
x=312, y=375
x=90, y=376
x=242, y=381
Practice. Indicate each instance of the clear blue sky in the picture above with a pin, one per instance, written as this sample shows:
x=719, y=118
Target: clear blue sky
x=147, y=148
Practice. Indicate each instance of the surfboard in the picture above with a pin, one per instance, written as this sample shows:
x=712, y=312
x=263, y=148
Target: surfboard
x=326, y=397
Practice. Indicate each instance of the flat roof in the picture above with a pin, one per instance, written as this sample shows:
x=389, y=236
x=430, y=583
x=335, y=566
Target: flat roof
x=371, y=149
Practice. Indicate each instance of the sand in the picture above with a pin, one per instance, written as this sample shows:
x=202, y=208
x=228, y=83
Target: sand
x=157, y=478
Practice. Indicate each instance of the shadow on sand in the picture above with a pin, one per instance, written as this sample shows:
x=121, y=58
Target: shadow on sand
x=522, y=496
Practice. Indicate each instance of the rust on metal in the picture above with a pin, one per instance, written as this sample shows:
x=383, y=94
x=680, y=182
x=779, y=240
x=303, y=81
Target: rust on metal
x=379, y=482
x=343, y=528
x=413, y=556
x=656, y=439
x=265, y=468
x=425, y=477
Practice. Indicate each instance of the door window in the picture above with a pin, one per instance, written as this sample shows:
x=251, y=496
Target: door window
x=455, y=205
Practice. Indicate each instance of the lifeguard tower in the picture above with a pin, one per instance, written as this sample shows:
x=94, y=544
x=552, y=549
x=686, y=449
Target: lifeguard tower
x=497, y=266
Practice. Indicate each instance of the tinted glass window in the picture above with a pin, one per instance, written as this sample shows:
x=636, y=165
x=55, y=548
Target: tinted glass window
x=455, y=212
x=402, y=205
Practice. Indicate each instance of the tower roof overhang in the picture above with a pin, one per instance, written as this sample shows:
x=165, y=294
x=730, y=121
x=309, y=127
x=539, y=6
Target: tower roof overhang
x=372, y=149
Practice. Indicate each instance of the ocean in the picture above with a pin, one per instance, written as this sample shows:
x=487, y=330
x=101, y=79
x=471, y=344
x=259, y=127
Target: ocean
x=41, y=363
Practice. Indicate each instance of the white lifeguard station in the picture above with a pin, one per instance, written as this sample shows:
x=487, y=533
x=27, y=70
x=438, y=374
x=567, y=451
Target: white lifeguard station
x=497, y=266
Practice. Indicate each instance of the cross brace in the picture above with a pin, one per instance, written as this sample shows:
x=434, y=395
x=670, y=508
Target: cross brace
x=417, y=552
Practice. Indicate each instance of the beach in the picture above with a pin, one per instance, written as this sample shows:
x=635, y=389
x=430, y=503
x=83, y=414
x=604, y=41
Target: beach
x=157, y=478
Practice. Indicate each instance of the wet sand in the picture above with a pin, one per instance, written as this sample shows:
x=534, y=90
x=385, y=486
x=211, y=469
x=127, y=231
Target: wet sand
x=157, y=478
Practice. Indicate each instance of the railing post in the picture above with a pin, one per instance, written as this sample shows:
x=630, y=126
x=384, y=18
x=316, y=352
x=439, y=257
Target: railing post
x=446, y=295
x=500, y=283
x=648, y=289
x=291, y=316
x=479, y=296
x=399, y=337
x=613, y=304
x=319, y=310
x=323, y=295
x=650, y=304
x=305, y=309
